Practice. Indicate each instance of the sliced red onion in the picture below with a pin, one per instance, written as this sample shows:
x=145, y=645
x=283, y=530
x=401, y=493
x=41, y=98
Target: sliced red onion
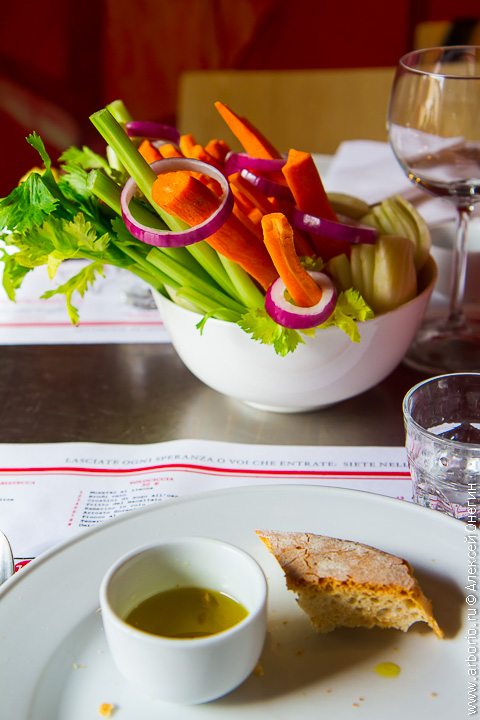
x=268, y=187
x=293, y=316
x=235, y=162
x=167, y=238
x=152, y=130
x=334, y=230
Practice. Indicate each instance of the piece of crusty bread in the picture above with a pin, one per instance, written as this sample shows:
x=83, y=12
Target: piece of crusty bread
x=344, y=583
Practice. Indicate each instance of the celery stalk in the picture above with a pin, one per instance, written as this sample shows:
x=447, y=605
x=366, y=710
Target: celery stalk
x=237, y=291
x=128, y=155
x=144, y=176
x=209, y=259
x=147, y=277
x=207, y=305
x=189, y=279
x=156, y=271
x=122, y=116
x=108, y=191
x=136, y=166
x=246, y=289
x=119, y=111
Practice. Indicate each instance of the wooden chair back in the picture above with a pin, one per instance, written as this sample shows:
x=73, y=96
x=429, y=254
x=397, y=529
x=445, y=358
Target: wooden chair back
x=311, y=110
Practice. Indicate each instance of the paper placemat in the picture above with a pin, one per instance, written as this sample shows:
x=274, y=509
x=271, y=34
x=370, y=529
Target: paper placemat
x=119, y=308
x=50, y=492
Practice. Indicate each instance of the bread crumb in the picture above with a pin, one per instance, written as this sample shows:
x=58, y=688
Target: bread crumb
x=433, y=694
x=78, y=666
x=106, y=710
x=259, y=671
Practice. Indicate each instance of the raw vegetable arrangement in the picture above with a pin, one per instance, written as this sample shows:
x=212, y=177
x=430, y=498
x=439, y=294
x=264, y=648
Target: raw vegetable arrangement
x=246, y=237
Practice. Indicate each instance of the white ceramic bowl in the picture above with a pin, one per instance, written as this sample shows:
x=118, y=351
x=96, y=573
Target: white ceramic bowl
x=328, y=368
x=185, y=671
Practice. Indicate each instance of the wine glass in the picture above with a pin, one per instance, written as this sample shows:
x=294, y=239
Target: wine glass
x=434, y=130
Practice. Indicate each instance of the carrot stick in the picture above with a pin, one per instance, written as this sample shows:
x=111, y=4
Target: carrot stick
x=167, y=150
x=255, y=215
x=186, y=143
x=261, y=205
x=190, y=148
x=245, y=205
x=265, y=204
x=148, y=151
x=249, y=137
x=188, y=199
x=199, y=153
x=278, y=238
x=255, y=229
x=217, y=149
x=306, y=185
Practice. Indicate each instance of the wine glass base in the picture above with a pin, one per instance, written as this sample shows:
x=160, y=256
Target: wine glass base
x=439, y=349
x=140, y=295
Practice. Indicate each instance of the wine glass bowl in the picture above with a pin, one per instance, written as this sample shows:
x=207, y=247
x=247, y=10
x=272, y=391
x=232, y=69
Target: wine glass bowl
x=434, y=132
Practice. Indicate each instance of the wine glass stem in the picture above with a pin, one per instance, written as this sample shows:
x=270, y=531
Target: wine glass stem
x=456, y=318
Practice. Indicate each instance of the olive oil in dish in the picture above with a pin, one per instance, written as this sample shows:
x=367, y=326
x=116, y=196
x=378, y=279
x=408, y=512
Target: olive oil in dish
x=186, y=613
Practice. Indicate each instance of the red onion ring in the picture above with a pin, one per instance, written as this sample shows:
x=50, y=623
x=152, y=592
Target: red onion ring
x=300, y=318
x=334, y=230
x=152, y=130
x=167, y=238
x=268, y=187
x=236, y=161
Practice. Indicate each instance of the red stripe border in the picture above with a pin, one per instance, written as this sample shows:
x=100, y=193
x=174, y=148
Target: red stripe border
x=339, y=474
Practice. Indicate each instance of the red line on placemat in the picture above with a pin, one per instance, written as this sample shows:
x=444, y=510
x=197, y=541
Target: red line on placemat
x=373, y=474
x=112, y=323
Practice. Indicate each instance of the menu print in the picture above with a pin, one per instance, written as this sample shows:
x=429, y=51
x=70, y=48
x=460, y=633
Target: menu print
x=50, y=492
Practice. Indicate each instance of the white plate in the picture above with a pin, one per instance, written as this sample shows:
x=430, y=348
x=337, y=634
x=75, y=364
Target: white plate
x=54, y=664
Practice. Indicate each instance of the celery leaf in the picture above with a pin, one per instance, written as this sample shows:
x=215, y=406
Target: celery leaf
x=13, y=274
x=350, y=308
x=80, y=283
x=28, y=204
x=36, y=142
x=76, y=164
x=83, y=157
x=258, y=323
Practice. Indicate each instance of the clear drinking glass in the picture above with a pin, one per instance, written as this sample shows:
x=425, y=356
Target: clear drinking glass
x=442, y=427
x=434, y=130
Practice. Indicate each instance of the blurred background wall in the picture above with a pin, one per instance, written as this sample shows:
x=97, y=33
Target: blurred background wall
x=61, y=60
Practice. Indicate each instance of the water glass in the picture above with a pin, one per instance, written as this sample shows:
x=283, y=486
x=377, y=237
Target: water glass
x=442, y=426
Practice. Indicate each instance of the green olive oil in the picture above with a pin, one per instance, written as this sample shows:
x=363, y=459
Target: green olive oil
x=186, y=612
x=387, y=669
